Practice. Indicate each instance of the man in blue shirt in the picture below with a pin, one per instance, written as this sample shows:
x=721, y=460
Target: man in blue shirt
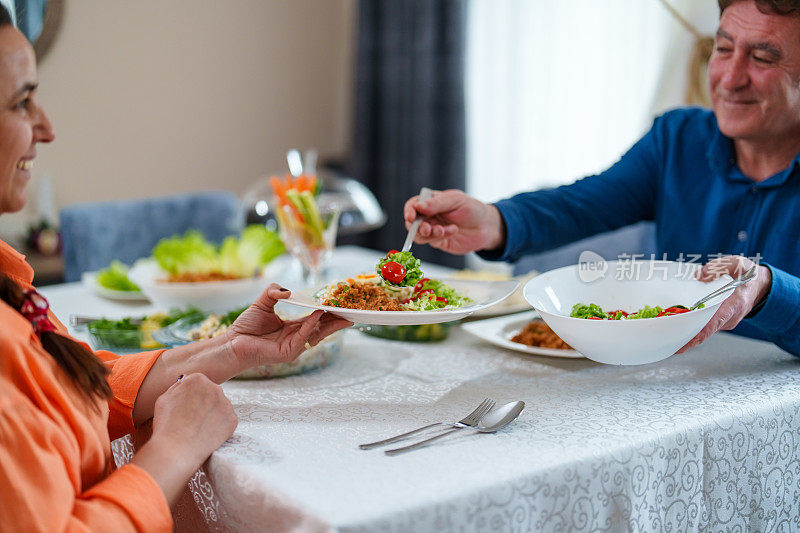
x=724, y=185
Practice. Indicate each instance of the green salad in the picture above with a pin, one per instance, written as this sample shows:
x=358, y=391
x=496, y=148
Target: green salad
x=430, y=294
x=595, y=312
x=115, y=277
x=399, y=268
x=134, y=333
x=192, y=254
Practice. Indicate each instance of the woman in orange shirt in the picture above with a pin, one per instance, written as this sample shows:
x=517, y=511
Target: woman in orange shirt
x=61, y=404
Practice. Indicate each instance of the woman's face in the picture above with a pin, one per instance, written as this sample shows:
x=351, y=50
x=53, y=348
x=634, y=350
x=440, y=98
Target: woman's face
x=22, y=122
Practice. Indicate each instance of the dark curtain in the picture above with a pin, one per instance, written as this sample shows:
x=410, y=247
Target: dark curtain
x=409, y=116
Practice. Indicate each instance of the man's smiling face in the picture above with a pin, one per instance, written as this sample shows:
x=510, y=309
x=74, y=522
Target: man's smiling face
x=754, y=74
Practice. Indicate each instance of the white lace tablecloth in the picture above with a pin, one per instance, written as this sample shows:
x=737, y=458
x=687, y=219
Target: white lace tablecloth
x=708, y=440
x=705, y=441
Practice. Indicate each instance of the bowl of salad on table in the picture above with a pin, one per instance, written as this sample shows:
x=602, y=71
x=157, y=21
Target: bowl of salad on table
x=624, y=317
x=187, y=270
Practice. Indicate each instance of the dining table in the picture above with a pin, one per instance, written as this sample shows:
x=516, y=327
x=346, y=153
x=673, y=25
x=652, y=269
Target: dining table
x=708, y=440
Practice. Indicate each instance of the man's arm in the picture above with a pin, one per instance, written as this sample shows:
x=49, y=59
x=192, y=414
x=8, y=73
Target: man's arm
x=779, y=317
x=768, y=303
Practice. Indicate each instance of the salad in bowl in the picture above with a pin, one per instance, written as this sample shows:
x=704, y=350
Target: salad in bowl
x=189, y=270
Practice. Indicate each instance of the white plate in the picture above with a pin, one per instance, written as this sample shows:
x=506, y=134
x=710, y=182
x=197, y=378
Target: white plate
x=499, y=331
x=483, y=293
x=89, y=279
x=515, y=303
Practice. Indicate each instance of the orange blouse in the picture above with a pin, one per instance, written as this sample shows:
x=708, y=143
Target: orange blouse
x=57, y=472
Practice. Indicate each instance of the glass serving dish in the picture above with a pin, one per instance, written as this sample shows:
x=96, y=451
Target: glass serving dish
x=319, y=356
x=122, y=340
x=415, y=333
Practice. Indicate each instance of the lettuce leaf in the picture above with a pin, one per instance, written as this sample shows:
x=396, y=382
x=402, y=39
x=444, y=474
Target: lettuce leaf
x=115, y=277
x=240, y=257
x=409, y=262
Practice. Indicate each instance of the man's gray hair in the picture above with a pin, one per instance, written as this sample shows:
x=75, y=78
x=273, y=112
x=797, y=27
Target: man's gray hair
x=789, y=8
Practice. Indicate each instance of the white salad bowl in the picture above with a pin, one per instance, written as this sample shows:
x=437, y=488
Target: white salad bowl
x=628, y=286
x=211, y=296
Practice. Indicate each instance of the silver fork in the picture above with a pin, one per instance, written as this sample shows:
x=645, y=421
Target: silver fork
x=468, y=421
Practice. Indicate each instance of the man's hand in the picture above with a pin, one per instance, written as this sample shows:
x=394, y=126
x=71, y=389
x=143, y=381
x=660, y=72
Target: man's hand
x=260, y=337
x=740, y=303
x=455, y=222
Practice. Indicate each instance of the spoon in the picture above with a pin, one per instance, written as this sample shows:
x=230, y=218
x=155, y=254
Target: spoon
x=751, y=274
x=491, y=422
x=295, y=162
x=424, y=195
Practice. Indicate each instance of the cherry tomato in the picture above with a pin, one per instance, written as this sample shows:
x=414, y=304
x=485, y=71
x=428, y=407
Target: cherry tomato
x=420, y=284
x=676, y=310
x=441, y=299
x=425, y=291
x=390, y=252
x=393, y=272
x=594, y=318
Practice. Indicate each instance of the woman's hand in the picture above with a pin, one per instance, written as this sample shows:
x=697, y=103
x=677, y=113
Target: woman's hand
x=192, y=419
x=260, y=337
x=738, y=304
x=456, y=222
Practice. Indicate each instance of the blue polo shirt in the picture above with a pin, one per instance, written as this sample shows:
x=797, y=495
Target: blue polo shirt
x=682, y=174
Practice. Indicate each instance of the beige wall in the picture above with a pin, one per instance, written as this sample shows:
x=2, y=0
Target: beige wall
x=153, y=97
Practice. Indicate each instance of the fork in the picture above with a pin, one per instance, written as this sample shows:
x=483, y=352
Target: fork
x=468, y=421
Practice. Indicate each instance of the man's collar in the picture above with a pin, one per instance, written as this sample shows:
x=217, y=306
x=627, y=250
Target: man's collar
x=722, y=159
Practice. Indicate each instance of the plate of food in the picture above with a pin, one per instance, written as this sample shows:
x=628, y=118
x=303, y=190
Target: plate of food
x=525, y=333
x=113, y=283
x=398, y=293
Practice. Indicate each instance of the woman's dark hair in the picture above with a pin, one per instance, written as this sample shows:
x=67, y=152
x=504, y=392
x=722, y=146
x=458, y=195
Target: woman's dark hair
x=88, y=373
x=779, y=7
x=5, y=17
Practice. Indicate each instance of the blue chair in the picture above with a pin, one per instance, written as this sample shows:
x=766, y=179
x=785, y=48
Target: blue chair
x=96, y=233
x=637, y=238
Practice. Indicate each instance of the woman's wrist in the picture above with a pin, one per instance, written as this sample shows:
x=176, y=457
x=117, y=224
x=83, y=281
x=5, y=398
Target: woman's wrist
x=168, y=465
x=213, y=357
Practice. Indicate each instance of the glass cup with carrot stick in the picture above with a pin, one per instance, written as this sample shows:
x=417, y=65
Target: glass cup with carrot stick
x=306, y=225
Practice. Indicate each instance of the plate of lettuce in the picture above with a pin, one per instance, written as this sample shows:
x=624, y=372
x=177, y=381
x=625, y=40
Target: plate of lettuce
x=113, y=283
